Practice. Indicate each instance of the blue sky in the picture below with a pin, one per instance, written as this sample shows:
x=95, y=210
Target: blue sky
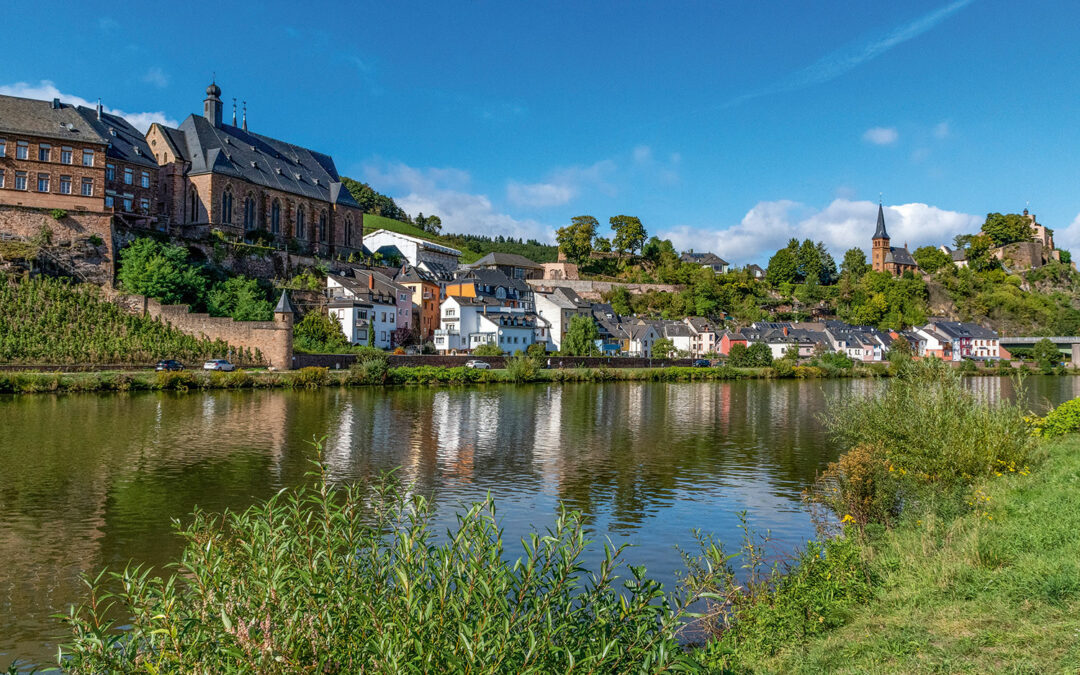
x=726, y=126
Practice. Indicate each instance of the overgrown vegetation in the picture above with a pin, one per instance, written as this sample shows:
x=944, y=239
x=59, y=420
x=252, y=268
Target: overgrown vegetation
x=48, y=321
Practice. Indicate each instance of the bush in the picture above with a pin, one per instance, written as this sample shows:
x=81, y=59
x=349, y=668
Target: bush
x=177, y=380
x=370, y=368
x=311, y=377
x=928, y=432
x=355, y=579
x=488, y=349
x=521, y=368
x=1063, y=419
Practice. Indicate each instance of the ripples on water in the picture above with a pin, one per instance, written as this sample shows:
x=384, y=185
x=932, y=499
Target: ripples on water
x=94, y=480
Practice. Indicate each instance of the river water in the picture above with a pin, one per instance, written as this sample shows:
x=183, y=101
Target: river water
x=88, y=481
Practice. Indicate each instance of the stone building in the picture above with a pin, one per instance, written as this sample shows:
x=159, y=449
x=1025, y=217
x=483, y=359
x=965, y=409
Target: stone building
x=886, y=258
x=223, y=176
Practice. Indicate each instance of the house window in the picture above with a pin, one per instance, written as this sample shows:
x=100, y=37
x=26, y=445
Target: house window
x=145, y=179
x=22, y=150
x=322, y=226
x=88, y=158
x=275, y=217
x=43, y=152
x=450, y=311
x=43, y=182
x=144, y=205
x=65, y=185
x=88, y=187
x=65, y=155
x=20, y=180
x=226, y=206
x=3, y=148
x=127, y=204
x=128, y=173
x=249, y=213
x=110, y=172
x=300, y=224
x=108, y=201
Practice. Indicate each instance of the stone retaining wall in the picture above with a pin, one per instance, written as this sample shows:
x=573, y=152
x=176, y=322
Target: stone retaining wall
x=592, y=290
x=341, y=361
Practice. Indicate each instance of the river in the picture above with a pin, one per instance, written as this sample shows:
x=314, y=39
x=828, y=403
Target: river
x=93, y=480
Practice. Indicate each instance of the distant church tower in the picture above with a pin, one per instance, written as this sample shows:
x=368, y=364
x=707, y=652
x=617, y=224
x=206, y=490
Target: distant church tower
x=881, y=243
x=212, y=105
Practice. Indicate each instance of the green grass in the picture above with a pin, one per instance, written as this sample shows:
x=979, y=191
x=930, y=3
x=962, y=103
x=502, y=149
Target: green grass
x=373, y=222
x=995, y=590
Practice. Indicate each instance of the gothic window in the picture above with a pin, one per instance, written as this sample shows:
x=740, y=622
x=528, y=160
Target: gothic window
x=193, y=213
x=300, y=223
x=322, y=226
x=348, y=231
x=275, y=217
x=226, y=206
x=249, y=213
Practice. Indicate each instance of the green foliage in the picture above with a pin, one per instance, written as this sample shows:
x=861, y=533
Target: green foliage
x=575, y=240
x=371, y=201
x=581, y=336
x=854, y=263
x=356, y=579
x=48, y=321
x=1063, y=419
x=832, y=361
x=488, y=349
x=978, y=254
x=757, y=355
x=317, y=333
x=432, y=224
x=1045, y=353
x=629, y=233
x=783, y=268
x=931, y=258
x=161, y=271
x=521, y=368
x=371, y=366
x=1006, y=229
x=921, y=441
x=241, y=298
x=619, y=299
x=663, y=348
x=477, y=246
x=58, y=214
x=1066, y=257
x=310, y=377
x=602, y=244
x=879, y=299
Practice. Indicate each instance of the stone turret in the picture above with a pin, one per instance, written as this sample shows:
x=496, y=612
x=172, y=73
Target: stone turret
x=284, y=316
x=212, y=104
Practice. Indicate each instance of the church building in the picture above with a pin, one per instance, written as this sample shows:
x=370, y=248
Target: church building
x=223, y=176
x=885, y=258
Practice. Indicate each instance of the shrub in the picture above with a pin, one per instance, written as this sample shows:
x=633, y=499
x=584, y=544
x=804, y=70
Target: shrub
x=521, y=368
x=1063, y=419
x=95, y=240
x=310, y=377
x=783, y=368
x=355, y=579
x=488, y=349
x=370, y=367
x=58, y=214
x=178, y=380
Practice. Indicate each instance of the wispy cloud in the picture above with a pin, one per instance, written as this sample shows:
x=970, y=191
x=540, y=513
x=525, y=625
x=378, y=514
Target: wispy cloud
x=881, y=135
x=847, y=58
x=942, y=130
x=46, y=91
x=157, y=77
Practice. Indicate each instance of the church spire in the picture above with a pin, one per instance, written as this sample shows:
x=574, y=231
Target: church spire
x=880, y=233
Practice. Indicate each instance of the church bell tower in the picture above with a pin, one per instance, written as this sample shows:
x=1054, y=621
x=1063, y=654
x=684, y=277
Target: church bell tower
x=881, y=242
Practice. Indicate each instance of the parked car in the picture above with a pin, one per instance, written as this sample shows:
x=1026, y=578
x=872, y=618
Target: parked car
x=702, y=363
x=479, y=365
x=169, y=364
x=218, y=364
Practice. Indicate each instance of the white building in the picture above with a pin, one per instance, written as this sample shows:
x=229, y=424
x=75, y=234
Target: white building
x=418, y=252
x=466, y=323
x=558, y=307
x=638, y=338
x=356, y=304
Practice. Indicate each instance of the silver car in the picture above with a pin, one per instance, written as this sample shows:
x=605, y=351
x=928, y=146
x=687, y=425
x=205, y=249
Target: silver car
x=479, y=365
x=218, y=364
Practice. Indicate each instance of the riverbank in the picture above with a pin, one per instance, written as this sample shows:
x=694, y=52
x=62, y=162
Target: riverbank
x=308, y=378
x=995, y=589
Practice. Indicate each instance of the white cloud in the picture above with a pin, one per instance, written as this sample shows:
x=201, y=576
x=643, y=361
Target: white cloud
x=942, y=130
x=843, y=224
x=444, y=192
x=1069, y=238
x=157, y=77
x=47, y=91
x=642, y=154
x=881, y=135
x=539, y=195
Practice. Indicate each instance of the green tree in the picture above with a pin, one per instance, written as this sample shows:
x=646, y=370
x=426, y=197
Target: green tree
x=629, y=233
x=488, y=349
x=241, y=298
x=808, y=261
x=1007, y=228
x=1046, y=354
x=161, y=271
x=581, y=337
x=854, y=263
x=575, y=240
x=663, y=348
x=978, y=254
x=931, y=258
x=602, y=244
x=620, y=301
x=1066, y=257
x=783, y=268
x=371, y=201
x=317, y=333
x=759, y=355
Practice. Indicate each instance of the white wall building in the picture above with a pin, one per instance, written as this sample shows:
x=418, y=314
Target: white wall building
x=466, y=323
x=356, y=304
x=558, y=308
x=414, y=249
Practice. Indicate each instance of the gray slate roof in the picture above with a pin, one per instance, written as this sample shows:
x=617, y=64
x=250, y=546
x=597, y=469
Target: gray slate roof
x=261, y=160
x=506, y=260
x=126, y=143
x=880, y=232
x=566, y=298
x=284, y=305
x=959, y=329
x=900, y=256
x=39, y=118
x=702, y=258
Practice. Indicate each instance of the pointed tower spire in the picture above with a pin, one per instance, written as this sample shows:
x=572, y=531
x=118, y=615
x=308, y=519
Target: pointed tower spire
x=245, y=115
x=234, y=111
x=880, y=233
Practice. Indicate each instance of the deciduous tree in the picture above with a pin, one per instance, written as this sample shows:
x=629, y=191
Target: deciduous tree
x=629, y=233
x=581, y=337
x=575, y=240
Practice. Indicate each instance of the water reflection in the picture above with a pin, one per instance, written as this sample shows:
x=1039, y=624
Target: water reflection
x=89, y=481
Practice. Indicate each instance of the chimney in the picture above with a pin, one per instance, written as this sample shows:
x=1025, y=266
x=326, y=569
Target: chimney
x=56, y=104
x=99, y=109
x=371, y=281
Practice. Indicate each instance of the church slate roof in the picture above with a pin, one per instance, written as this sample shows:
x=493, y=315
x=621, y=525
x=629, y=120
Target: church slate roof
x=506, y=260
x=880, y=232
x=261, y=160
x=900, y=256
x=126, y=143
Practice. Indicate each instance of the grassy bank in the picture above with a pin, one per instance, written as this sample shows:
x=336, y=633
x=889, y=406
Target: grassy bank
x=59, y=382
x=995, y=590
